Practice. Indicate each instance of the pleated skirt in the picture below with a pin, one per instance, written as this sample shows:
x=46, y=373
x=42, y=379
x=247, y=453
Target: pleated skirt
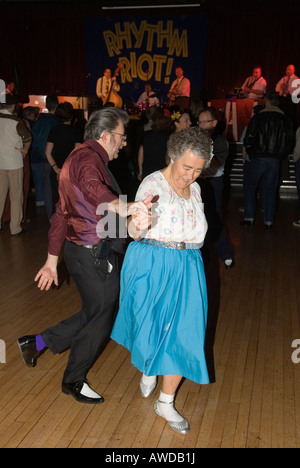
x=163, y=311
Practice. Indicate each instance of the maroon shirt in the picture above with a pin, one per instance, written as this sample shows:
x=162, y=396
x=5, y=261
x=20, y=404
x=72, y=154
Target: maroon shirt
x=83, y=185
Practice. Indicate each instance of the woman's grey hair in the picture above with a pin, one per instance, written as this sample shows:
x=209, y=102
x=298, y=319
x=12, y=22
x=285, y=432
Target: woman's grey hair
x=193, y=139
x=104, y=120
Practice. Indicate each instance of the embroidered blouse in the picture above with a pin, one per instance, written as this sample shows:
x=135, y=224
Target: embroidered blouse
x=174, y=218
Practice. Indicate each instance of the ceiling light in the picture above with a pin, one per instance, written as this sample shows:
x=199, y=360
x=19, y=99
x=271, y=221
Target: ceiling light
x=133, y=7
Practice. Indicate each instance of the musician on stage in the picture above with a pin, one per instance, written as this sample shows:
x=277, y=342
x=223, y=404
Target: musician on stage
x=287, y=88
x=286, y=85
x=149, y=97
x=107, y=86
x=255, y=86
x=180, y=90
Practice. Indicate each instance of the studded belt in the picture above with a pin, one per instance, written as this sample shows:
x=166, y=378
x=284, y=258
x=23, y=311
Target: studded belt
x=171, y=244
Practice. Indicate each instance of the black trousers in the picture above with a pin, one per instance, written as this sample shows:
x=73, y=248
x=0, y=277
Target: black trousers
x=216, y=231
x=85, y=332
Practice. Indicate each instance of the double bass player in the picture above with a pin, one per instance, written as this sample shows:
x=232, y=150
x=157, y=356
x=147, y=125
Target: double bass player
x=107, y=88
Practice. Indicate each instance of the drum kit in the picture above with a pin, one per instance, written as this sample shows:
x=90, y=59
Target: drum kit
x=134, y=109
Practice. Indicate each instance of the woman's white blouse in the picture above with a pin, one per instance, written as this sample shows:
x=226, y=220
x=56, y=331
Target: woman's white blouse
x=173, y=218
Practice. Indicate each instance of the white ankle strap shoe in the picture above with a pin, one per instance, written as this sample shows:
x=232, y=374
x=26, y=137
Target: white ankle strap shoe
x=182, y=426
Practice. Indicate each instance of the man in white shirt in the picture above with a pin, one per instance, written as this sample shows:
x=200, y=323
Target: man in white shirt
x=106, y=87
x=255, y=86
x=286, y=85
x=180, y=90
x=15, y=142
x=289, y=90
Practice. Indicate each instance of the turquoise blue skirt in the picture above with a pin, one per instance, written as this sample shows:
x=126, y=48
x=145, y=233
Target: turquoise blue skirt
x=163, y=311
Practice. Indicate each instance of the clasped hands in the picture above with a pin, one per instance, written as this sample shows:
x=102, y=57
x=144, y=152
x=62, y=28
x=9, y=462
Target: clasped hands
x=140, y=213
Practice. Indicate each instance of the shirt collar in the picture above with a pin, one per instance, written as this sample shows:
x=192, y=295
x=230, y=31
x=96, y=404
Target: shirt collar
x=95, y=146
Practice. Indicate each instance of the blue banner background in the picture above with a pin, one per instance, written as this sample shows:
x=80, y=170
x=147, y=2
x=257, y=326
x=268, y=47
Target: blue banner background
x=155, y=45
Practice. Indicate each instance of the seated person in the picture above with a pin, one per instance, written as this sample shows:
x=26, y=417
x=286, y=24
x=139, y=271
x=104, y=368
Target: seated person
x=149, y=97
x=255, y=86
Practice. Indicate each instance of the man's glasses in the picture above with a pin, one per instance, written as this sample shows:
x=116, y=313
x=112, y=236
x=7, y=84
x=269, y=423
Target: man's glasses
x=124, y=137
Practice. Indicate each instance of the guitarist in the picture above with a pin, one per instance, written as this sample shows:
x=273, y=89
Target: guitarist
x=255, y=86
x=180, y=90
x=107, y=86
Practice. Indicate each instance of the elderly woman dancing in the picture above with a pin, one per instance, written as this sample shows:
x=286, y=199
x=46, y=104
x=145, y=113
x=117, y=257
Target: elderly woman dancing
x=163, y=303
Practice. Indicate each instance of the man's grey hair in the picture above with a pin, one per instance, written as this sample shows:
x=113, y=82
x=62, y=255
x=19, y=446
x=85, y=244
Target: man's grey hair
x=193, y=139
x=104, y=120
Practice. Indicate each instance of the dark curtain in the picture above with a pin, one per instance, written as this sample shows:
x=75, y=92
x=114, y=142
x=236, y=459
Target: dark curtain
x=46, y=44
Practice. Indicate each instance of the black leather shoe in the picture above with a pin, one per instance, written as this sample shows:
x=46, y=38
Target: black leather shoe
x=28, y=350
x=82, y=392
x=247, y=223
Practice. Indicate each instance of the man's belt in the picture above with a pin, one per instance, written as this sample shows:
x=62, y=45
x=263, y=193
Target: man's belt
x=100, y=250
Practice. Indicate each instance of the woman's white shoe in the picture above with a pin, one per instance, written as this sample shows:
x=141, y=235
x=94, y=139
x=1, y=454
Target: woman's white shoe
x=147, y=386
x=167, y=411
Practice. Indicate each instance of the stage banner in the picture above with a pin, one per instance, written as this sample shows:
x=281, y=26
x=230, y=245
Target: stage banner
x=149, y=51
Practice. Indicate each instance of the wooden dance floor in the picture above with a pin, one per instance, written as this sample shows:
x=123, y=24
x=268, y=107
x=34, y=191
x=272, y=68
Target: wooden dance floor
x=253, y=321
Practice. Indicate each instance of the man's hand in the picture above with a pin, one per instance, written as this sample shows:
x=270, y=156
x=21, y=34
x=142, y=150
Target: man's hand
x=47, y=274
x=23, y=151
x=128, y=209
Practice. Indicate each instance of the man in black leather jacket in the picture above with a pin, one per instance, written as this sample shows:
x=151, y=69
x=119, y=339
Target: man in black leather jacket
x=269, y=139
